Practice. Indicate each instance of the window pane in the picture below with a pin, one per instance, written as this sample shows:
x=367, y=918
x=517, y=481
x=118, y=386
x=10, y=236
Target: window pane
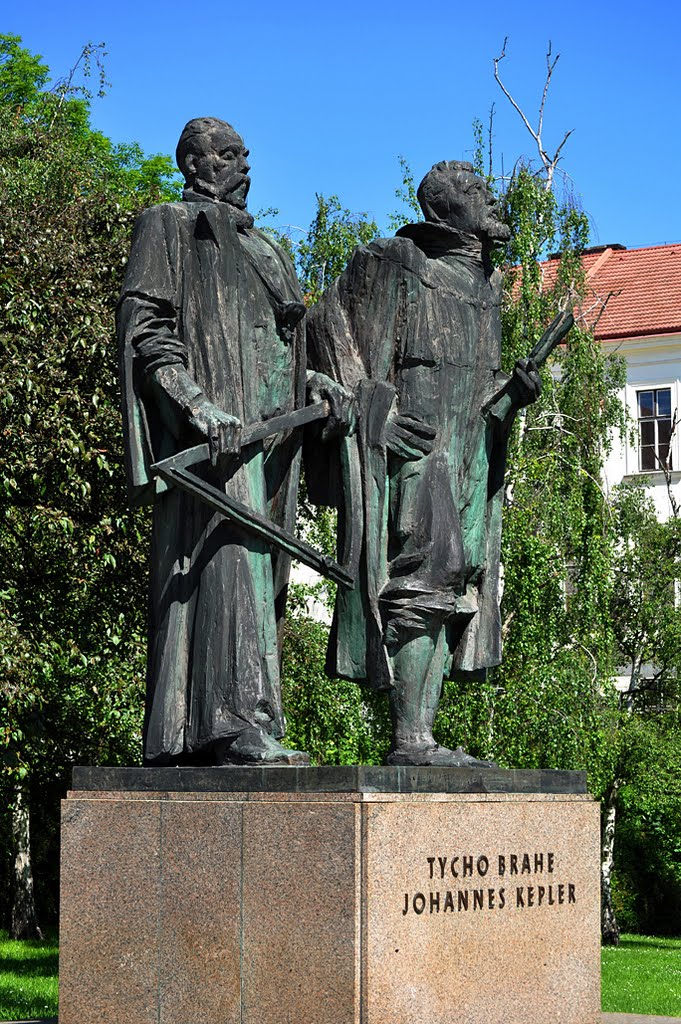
x=664, y=455
x=645, y=404
x=664, y=402
x=647, y=432
x=648, y=460
x=664, y=431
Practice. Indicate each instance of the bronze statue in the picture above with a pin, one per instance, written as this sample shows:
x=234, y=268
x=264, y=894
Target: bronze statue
x=213, y=367
x=412, y=326
x=216, y=387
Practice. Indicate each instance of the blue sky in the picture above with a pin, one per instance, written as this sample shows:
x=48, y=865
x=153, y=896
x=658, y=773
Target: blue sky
x=328, y=97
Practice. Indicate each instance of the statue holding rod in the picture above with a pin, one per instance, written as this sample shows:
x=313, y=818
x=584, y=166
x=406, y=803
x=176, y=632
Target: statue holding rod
x=215, y=387
x=412, y=327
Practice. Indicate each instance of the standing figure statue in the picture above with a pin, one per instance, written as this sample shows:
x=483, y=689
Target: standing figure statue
x=211, y=336
x=412, y=326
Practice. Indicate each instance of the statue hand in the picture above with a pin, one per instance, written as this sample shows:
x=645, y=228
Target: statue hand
x=222, y=431
x=342, y=418
x=409, y=436
x=525, y=383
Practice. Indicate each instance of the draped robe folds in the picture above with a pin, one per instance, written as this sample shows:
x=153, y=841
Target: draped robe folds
x=413, y=326
x=225, y=305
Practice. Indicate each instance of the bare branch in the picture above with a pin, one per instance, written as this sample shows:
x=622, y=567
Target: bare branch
x=507, y=94
x=665, y=466
x=549, y=162
x=565, y=138
x=602, y=302
x=549, y=71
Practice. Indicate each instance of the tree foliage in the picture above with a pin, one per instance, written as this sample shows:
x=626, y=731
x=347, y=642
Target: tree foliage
x=322, y=254
x=334, y=720
x=558, y=537
x=645, y=795
x=72, y=555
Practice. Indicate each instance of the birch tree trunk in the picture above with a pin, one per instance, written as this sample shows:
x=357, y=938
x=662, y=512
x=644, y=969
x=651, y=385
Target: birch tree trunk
x=609, y=929
x=24, y=918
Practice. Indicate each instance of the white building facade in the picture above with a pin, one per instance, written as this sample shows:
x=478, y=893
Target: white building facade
x=633, y=304
x=652, y=397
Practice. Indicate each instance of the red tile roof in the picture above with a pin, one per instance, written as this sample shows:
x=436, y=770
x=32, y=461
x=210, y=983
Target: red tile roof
x=634, y=293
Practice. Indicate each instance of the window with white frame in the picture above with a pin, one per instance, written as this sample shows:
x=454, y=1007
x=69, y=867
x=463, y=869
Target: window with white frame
x=654, y=429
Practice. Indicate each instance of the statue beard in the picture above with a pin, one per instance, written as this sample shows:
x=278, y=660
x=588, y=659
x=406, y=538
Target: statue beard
x=241, y=217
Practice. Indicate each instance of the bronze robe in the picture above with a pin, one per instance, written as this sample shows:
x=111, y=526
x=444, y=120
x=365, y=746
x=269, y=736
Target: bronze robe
x=413, y=324
x=225, y=304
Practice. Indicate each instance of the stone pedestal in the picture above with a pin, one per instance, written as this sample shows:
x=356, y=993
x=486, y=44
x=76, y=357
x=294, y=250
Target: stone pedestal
x=329, y=896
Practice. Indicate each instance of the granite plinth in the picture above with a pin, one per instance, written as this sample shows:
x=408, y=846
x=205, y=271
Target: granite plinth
x=344, y=905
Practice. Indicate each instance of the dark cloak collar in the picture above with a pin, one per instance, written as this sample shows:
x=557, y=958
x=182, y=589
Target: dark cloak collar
x=439, y=240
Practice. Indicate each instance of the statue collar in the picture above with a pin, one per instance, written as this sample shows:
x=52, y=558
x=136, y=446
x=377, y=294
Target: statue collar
x=438, y=240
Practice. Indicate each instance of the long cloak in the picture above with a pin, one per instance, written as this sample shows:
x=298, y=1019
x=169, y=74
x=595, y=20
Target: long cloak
x=413, y=325
x=225, y=305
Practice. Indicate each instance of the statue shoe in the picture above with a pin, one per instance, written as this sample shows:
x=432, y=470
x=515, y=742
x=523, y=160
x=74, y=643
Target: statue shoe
x=435, y=756
x=256, y=747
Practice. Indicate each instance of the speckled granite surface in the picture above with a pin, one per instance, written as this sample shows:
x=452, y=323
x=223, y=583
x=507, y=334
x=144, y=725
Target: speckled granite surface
x=329, y=906
x=606, y=1018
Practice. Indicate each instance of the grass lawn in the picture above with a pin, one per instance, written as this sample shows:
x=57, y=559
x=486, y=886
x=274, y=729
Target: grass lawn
x=28, y=978
x=642, y=975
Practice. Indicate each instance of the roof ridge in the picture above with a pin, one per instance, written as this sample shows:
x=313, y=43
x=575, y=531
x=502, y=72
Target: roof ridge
x=649, y=248
x=602, y=259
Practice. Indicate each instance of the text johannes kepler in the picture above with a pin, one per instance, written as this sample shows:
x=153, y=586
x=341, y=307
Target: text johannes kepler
x=524, y=880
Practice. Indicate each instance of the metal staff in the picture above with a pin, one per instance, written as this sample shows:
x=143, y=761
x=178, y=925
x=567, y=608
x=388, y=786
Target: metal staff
x=174, y=470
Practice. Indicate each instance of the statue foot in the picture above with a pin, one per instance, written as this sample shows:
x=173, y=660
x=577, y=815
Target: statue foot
x=436, y=756
x=255, y=747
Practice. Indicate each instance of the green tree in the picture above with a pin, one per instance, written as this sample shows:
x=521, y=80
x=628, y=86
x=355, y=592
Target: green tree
x=22, y=75
x=334, y=720
x=645, y=613
x=642, y=802
x=333, y=234
x=72, y=555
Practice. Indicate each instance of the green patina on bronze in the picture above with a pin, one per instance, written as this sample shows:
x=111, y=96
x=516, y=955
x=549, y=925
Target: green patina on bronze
x=406, y=344
x=413, y=328
x=211, y=339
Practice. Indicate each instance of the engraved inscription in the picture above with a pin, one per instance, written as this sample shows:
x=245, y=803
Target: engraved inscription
x=505, y=868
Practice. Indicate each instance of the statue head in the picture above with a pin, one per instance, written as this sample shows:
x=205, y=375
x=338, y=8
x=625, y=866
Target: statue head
x=212, y=157
x=453, y=194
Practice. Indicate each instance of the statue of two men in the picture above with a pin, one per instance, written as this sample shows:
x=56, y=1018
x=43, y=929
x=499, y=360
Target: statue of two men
x=407, y=343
